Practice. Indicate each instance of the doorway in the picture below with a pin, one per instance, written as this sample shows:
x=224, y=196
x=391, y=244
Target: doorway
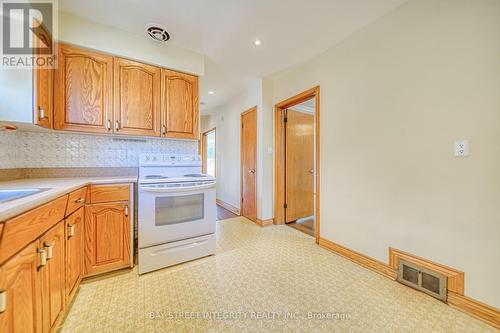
x=208, y=152
x=249, y=164
x=296, y=162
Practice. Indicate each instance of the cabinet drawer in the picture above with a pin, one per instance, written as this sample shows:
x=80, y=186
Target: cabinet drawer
x=109, y=193
x=76, y=200
x=23, y=229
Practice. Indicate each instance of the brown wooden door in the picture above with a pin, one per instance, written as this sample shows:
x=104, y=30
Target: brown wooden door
x=136, y=98
x=20, y=280
x=299, y=165
x=249, y=164
x=53, y=277
x=107, y=237
x=43, y=84
x=180, y=109
x=74, y=251
x=83, y=90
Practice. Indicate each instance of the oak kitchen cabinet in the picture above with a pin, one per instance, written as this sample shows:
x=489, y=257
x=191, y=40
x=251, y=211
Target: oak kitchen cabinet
x=180, y=107
x=83, y=90
x=107, y=228
x=136, y=98
x=53, y=277
x=74, y=251
x=21, y=301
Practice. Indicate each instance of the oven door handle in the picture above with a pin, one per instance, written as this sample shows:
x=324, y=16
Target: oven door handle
x=175, y=189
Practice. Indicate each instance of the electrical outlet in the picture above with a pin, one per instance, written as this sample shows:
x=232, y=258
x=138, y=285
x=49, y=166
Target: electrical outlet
x=461, y=148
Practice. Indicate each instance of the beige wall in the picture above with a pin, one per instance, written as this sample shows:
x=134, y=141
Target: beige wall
x=394, y=97
x=80, y=31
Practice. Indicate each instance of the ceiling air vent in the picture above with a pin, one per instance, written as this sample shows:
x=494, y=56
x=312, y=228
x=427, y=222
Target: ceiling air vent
x=157, y=32
x=423, y=279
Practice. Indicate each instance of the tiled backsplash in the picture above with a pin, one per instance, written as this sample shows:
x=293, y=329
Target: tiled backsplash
x=50, y=150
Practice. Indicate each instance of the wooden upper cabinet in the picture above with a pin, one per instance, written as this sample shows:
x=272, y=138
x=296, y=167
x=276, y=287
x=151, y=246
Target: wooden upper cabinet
x=136, y=98
x=53, y=277
x=180, y=110
x=83, y=90
x=20, y=285
x=43, y=84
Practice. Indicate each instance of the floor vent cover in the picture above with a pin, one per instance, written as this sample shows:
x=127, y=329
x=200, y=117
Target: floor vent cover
x=423, y=279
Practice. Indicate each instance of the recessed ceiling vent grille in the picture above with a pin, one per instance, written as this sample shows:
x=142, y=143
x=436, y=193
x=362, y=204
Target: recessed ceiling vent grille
x=157, y=32
x=423, y=279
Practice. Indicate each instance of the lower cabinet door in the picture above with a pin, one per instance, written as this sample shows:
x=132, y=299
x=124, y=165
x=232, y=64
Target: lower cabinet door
x=107, y=237
x=53, y=277
x=74, y=252
x=21, y=308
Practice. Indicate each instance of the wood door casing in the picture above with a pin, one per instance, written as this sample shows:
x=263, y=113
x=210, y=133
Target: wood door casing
x=83, y=90
x=107, y=237
x=74, y=251
x=249, y=164
x=299, y=165
x=20, y=278
x=53, y=278
x=43, y=84
x=136, y=98
x=180, y=109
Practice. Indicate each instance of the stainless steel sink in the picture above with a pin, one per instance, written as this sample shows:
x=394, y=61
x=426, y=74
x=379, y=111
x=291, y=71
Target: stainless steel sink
x=13, y=194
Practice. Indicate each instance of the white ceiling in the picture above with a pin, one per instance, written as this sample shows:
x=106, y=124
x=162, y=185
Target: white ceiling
x=291, y=31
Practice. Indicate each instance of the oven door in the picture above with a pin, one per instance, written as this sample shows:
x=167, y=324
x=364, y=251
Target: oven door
x=172, y=212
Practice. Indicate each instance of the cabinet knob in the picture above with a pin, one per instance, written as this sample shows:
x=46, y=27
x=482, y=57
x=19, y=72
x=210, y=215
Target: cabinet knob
x=80, y=200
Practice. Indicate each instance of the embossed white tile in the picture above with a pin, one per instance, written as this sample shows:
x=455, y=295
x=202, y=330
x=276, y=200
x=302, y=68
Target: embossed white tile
x=45, y=150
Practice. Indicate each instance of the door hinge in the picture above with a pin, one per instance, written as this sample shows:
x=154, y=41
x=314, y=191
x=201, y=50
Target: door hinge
x=3, y=300
x=285, y=206
x=285, y=119
x=242, y=199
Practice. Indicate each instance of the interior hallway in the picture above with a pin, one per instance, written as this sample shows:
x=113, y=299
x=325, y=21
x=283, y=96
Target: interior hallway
x=267, y=268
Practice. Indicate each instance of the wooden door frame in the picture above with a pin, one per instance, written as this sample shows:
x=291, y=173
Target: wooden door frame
x=254, y=108
x=202, y=149
x=279, y=154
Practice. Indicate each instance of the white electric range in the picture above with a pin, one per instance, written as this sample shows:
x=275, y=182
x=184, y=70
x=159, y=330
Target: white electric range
x=176, y=212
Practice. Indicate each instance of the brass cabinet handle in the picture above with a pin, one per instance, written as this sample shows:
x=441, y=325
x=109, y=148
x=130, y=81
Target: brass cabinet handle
x=3, y=300
x=126, y=211
x=81, y=200
x=49, y=249
x=71, y=230
x=117, y=125
x=108, y=124
x=43, y=257
x=311, y=172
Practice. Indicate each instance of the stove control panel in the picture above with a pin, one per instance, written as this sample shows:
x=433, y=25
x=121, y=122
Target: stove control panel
x=155, y=159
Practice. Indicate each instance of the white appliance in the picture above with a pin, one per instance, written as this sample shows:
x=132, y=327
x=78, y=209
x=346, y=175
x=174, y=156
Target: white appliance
x=176, y=211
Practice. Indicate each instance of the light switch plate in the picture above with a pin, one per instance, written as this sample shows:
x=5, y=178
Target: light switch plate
x=462, y=148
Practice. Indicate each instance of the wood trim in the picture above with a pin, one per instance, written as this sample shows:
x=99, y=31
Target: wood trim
x=455, y=277
x=254, y=108
x=229, y=207
x=360, y=259
x=279, y=154
x=475, y=308
x=203, y=149
x=485, y=312
x=264, y=223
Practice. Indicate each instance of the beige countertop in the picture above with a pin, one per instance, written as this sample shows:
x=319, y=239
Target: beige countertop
x=57, y=187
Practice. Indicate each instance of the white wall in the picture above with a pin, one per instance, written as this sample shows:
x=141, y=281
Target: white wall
x=79, y=31
x=394, y=97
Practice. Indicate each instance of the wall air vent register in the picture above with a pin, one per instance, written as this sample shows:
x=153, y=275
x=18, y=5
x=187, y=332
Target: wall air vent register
x=423, y=279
